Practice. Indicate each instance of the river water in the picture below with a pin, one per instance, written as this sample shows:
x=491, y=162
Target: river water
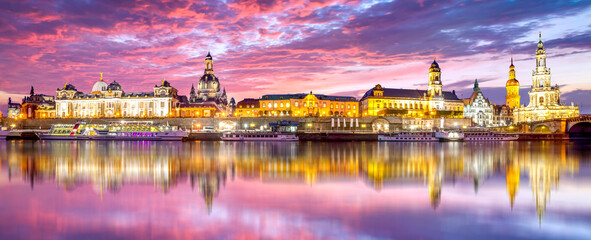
x=305, y=190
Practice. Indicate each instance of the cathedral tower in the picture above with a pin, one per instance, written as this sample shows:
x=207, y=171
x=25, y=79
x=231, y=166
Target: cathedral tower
x=541, y=74
x=542, y=93
x=512, y=98
x=434, y=88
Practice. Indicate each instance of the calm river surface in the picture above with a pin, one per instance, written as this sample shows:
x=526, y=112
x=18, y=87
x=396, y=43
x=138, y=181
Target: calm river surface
x=309, y=190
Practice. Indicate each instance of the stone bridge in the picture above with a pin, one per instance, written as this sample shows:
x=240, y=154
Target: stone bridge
x=581, y=124
x=579, y=127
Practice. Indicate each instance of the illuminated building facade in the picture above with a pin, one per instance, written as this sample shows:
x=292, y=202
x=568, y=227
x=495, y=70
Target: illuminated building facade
x=14, y=109
x=544, y=99
x=248, y=107
x=478, y=107
x=33, y=106
x=308, y=105
x=110, y=101
x=433, y=102
x=502, y=115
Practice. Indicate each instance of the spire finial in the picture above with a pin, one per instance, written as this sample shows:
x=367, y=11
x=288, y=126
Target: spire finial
x=540, y=36
x=163, y=80
x=434, y=58
x=511, y=55
x=101, y=76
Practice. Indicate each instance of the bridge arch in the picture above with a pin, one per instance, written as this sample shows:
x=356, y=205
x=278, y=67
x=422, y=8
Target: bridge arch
x=542, y=129
x=581, y=127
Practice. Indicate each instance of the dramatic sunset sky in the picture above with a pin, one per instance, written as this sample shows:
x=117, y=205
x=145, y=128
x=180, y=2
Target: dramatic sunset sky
x=270, y=47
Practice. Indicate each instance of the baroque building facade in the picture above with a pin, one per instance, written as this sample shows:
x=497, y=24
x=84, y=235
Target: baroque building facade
x=478, y=108
x=430, y=103
x=32, y=106
x=544, y=99
x=110, y=101
x=298, y=105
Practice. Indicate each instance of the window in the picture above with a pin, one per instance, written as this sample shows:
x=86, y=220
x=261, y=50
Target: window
x=287, y=104
x=353, y=106
x=331, y=106
x=324, y=105
x=269, y=105
x=296, y=104
x=281, y=104
x=275, y=105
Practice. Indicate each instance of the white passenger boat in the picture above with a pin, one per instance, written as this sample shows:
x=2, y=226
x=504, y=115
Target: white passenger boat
x=489, y=136
x=144, y=131
x=450, y=136
x=4, y=134
x=259, y=136
x=408, y=137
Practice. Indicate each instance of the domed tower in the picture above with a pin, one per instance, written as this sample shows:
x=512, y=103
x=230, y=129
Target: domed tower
x=99, y=86
x=435, y=85
x=208, y=87
x=512, y=98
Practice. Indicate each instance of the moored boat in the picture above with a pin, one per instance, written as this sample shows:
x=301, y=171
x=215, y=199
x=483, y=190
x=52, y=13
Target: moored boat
x=259, y=136
x=141, y=130
x=450, y=136
x=408, y=137
x=489, y=136
x=4, y=134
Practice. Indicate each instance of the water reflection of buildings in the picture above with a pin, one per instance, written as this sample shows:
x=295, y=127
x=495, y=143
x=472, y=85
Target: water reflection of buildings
x=206, y=166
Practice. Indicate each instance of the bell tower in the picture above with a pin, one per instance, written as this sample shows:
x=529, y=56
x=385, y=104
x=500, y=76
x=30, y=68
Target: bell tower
x=512, y=98
x=435, y=85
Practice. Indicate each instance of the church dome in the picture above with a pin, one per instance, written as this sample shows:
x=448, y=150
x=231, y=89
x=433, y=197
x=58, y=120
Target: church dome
x=512, y=82
x=114, y=86
x=99, y=86
x=208, y=78
x=434, y=67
